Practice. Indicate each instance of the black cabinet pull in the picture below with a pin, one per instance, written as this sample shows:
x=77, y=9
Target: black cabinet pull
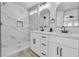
x=43, y=44
x=43, y=36
x=60, y=51
x=43, y=53
x=57, y=50
x=34, y=41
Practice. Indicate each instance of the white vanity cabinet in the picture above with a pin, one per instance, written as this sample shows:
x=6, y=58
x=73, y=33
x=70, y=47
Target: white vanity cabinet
x=35, y=43
x=63, y=47
x=51, y=45
x=54, y=50
x=69, y=52
x=39, y=44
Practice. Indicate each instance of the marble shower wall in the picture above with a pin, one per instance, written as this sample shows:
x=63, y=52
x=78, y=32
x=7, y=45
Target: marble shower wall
x=11, y=34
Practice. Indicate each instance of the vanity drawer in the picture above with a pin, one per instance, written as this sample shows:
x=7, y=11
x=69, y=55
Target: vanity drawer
x=43, y=53
x=64, y=41
x=44, y=38
x=43, y=47
x=43, y=44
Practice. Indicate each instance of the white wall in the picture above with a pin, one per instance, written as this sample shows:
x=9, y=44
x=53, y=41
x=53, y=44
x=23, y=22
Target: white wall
x=11, y=34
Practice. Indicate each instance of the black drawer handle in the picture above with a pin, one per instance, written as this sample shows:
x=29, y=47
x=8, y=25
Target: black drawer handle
x=34, y=41
x=57, y=50
x=43, y=44
x=60, y=51
x=43, y=36
x=43, y=53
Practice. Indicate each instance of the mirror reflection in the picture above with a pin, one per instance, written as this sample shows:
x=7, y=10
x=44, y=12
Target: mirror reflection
x=67, y=14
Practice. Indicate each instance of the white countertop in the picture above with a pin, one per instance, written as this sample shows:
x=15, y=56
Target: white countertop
x=64, y=35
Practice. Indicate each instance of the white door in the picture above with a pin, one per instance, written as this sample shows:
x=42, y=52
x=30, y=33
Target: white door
x=54, y=50
x=44, y=18
x=35, y=43
x=69, y=52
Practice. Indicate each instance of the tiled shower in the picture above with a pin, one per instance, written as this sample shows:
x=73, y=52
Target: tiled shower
x=14, y=34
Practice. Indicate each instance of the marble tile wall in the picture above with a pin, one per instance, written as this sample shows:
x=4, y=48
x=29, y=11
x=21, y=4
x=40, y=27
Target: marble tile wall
x=11, y=34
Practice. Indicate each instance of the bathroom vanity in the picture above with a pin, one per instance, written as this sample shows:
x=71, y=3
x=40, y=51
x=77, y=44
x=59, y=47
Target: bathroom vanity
x=53, y=44
x=57, y=44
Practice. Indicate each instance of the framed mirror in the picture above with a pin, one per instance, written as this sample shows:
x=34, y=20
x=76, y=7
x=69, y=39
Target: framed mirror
x=67, y=14
x=71, y=18
x=44, y=20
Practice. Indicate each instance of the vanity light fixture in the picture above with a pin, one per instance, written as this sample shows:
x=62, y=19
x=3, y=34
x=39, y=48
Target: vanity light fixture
x=44, y=17
x=71, y=16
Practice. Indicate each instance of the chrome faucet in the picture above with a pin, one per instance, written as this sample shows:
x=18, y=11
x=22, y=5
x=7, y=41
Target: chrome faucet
x=64, y=30
x=63, y=27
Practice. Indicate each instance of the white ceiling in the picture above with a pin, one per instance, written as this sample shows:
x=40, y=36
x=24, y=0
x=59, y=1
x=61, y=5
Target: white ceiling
x=26, y=5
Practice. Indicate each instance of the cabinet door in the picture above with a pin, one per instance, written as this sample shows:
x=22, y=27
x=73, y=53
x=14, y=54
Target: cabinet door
x=35, y=42
x=69, y=52
x=54, y=50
